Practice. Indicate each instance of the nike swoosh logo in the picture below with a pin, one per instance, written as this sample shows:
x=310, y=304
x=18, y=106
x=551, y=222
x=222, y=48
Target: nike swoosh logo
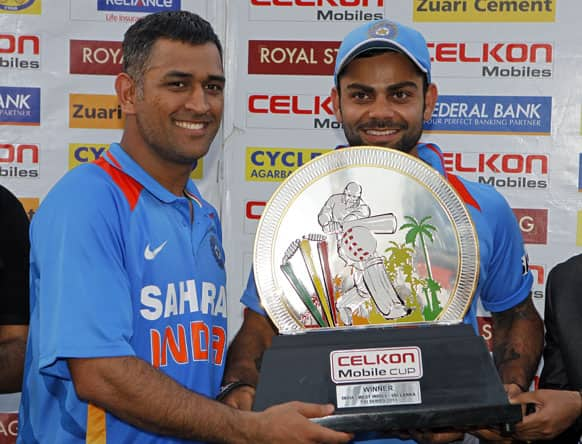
x=150, y=254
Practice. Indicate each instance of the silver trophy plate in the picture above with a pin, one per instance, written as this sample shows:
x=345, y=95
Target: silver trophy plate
x=365, y=236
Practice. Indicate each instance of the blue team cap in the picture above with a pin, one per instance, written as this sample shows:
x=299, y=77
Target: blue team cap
x=383, y=34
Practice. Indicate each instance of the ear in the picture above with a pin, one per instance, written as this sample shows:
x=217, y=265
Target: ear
x=126, y=90
x=335, y=101
x=430, y=100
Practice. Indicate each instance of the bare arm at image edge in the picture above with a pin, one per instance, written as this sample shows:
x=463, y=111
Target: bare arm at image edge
x=517, y=344
x=139, y=394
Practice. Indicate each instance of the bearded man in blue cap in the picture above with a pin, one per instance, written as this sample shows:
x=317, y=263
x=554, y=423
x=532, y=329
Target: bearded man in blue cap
x=383, y=94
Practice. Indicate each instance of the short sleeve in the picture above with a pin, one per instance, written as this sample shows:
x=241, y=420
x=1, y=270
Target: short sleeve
x=250, y=296
x=508, y=280
x=81, y=291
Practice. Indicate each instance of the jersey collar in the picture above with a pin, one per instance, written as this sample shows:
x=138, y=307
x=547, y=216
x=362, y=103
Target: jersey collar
x=119, y=159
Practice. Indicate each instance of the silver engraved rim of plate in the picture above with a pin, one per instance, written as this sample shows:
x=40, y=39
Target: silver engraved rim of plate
x=365, y=236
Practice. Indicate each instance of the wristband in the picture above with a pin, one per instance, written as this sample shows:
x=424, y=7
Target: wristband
x=229, y=387
x=580, y=393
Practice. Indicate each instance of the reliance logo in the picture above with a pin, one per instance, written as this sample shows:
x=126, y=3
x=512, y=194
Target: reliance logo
x=139, y=5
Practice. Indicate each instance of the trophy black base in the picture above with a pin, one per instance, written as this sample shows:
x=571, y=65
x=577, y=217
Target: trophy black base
x=459, y=387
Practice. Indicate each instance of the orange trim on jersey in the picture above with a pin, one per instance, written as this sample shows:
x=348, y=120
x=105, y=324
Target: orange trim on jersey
x=113, y=159
x=130, y=187
x=455, y=181
x=96, y=429
x=462, y=190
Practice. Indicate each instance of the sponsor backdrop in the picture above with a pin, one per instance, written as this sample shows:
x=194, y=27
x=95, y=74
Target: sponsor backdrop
x=509, y=113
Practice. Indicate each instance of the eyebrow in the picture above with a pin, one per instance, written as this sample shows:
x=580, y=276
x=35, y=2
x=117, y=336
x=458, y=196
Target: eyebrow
x=394, y=87
x=185, y=75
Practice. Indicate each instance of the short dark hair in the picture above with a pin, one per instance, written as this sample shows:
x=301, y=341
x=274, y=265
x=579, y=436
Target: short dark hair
x=181, y=26
x=375, y=52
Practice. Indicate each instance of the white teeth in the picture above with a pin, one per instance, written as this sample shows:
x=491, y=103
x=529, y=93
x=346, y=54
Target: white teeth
x=190, y=125
x=381, y=132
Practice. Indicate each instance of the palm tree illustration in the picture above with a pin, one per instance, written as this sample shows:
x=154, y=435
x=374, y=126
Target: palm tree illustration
x=421, y=230
x=401, y=260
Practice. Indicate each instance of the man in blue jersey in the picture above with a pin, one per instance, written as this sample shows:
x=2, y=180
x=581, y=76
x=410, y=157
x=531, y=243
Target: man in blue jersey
x=128, y=333
x=382, y=95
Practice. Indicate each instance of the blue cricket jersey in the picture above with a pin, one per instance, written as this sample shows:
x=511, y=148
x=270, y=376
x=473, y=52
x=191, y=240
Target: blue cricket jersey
x=504, y=280
x=120, y=268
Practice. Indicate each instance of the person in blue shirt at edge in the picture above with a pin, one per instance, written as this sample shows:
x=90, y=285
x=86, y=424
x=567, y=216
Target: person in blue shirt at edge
x=382, y=95
x=128, y=325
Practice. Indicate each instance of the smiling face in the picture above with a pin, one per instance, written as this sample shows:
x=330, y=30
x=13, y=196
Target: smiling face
x=381, y=101
x=174, y=111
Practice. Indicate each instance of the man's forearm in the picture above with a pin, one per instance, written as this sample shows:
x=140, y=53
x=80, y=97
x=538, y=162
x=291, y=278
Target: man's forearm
x=141, y=395
x=247, y=348
x=518, y=341
x=11, y=364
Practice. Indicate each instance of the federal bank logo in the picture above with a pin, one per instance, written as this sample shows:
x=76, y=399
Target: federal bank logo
x=527, y=115
x=99, y=111
x=147, y=6
x=316, y=10
x=580, y=172
x=499, y=60
x=533, y=224
x=484, y=11
x=80, y=153
x=502, y=170
x=95, y=57
x=20, y=7
x=267, y=164
x=290, y=111
x=19, y=161
x=19, y=51
x=292, y=57
x=19, y=106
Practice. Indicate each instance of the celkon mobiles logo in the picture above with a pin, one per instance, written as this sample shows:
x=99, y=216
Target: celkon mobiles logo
x=139, y=5
x=19, y=51
x=20, y=7
x=533, y=224
x=290, y=111
x=19, y=160
x=539, y=282
x=484, y=11
x=265, y=164
x=501, y=170
x=292, y=57
x=375, y=364
x=501, y=60
x=95, y=57
x=253, y=209
x=100, y=111
x=316, y=10
x=19, y=106
x=528, y=115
